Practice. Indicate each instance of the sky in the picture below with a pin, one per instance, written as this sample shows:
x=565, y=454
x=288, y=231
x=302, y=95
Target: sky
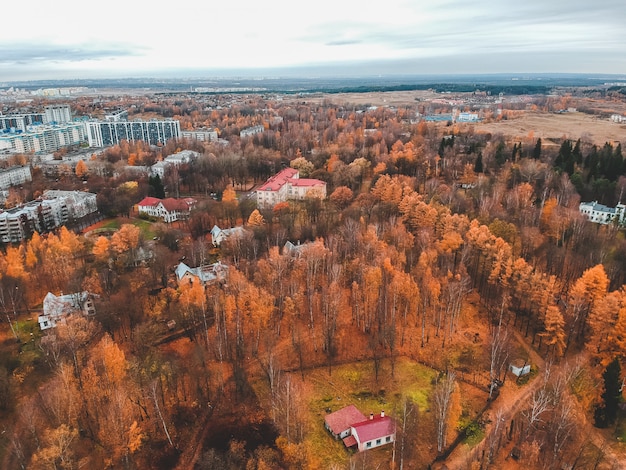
x=74, y=39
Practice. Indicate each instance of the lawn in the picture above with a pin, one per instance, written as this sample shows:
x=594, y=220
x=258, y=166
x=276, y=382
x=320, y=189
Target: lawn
x=145, y=226
x=355, y=383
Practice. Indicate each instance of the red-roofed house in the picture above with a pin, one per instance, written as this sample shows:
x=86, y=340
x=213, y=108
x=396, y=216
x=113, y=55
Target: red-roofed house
x=376, y=431
x=285, y=185
x=339, y=422
x=351, y=425
x=170, y=209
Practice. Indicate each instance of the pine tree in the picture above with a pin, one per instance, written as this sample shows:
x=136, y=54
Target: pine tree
x=606, y=413
x=537, y=150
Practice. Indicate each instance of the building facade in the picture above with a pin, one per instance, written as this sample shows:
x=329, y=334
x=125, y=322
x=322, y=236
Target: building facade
x=43, y=138
x=58, y=114
x=154, y=132
x=250, y=131
x=287, y=185
x=48, y=213
x=203, y=135
x=601, y=214
x=170, y=209
x=15, y=176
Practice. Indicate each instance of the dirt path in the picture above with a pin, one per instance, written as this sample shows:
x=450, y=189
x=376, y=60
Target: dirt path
x=511, y=401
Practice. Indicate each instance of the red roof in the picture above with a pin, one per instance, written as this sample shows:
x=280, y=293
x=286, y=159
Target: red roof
x=172, y=204
x=342, y=419
x=279, y=179
x=349, y=441
x=375, y=428
x=305, y=182
x=149, y=201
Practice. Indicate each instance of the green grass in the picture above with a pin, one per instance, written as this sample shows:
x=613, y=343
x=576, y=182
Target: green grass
x=144, y=225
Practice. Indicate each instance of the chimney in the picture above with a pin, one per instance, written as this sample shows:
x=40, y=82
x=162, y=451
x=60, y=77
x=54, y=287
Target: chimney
x=382, y=413
x=371, y=415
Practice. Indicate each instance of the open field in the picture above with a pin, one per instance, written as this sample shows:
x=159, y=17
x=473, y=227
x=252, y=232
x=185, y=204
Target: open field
x=556, y=126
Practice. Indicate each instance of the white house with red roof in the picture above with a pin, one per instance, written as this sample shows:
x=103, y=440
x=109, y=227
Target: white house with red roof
x=350, y=425
x=170, y=209
x=286, y=185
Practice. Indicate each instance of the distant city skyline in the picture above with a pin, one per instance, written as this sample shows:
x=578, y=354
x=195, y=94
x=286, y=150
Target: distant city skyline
x=67, y=39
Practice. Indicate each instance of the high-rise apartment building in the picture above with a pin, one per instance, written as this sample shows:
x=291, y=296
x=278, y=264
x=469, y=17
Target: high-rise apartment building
x=43, y=138
x=58, y=114
x=154, y=132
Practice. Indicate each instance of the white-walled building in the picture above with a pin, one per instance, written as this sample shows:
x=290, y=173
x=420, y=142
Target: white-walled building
x=43, y=138
x=287, y=185
x=56, y=308
x=601, y=214
x=170, y=209
x=60, y=113
x=176, y=159
x=53, y=210
x=250, y=131
x=154, y=132
x=202, y=135
x=15, y=176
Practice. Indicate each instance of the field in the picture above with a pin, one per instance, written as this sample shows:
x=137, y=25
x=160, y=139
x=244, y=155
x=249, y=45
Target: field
x=556, y=126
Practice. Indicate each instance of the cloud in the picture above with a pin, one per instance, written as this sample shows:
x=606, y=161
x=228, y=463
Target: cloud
x=28, y=54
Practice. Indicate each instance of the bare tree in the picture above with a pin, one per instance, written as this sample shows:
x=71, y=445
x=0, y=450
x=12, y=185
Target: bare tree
x=442, y=399
x=539, y=404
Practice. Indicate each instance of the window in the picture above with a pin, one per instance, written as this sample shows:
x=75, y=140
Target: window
x=378, y=442
x=369, y=444
x=388, y=439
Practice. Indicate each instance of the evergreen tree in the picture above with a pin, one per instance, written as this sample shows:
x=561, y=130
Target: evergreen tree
x=478, y=165
x=606, y=413
x=156, y=187
x=537, y=149
x=499, y=156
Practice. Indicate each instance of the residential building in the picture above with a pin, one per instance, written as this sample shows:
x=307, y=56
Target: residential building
x=204, y=274
x=601, y=214
x=170, y=209
x=53, y=210
x=374, y=432
x=57, y=308
x=287, y=185
x=218, y=235
x=79, y=203
x=58, y=114
x=618, y=118
x=43, y=138
x=117, y=116
x=339, y=423
x=250, y=131
x=15, y=176
x=350, y=425
x=203, y=135
x=174, y=160
x=154, y=132
x=19, y=122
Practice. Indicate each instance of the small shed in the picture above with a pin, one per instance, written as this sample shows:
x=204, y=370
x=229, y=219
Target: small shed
x=519, y=368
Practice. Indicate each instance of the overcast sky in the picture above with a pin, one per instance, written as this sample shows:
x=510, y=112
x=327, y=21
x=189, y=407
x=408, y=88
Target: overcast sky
x=43, y=39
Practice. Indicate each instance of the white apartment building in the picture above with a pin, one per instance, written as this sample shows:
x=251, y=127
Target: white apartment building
x=43, y=138
x=202, y=135
x=20, y=121
x=601, y=214
x=58, y=114
x=154, y=132
x=250, y=131
x=54, y=210
x=14, y=176
x=175, y=159
x=79, y=203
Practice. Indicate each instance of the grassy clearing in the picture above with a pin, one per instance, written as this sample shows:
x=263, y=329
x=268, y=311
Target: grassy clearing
x=145, y=226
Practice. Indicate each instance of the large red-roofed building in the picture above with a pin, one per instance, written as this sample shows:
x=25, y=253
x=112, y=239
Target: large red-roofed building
x=286, y=185
x=170, y=209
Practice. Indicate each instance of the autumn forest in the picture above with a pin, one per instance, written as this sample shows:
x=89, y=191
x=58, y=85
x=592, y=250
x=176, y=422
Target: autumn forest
x=444, y=257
